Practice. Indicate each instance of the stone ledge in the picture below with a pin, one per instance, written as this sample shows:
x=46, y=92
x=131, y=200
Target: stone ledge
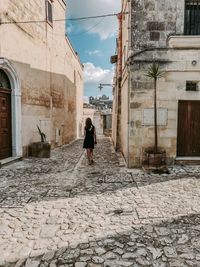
x=186, y=41
x=10, y=160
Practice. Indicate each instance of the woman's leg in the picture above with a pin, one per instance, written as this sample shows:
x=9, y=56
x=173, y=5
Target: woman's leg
x=88, y=155
x=91, y=155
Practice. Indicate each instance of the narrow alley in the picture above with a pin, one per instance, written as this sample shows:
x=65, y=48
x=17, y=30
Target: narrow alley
x=63, y=212
x=126, y=74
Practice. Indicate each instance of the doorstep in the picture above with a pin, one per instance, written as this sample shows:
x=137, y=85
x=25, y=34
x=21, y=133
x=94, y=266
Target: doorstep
x=188, y=160
x=9, y=160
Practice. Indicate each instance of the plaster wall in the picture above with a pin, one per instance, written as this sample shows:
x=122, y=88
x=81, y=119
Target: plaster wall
x=49, y=70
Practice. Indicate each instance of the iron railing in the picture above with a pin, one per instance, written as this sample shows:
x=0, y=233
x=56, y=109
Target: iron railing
x=192, y=17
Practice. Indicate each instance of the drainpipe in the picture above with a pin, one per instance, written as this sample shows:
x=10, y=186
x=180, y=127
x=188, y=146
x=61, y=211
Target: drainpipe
x=120, y=45
x=128, y=63
x=128, y=112
x=119, y=78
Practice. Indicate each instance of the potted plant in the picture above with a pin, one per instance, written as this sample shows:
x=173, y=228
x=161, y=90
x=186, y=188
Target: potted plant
x=155, y=156
x=41, y=149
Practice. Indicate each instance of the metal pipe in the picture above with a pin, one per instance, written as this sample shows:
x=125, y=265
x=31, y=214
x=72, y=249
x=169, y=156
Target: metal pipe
x=129, y=87
x=128, y=119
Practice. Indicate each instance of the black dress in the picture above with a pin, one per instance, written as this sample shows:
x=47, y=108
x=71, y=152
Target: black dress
x=89, y=138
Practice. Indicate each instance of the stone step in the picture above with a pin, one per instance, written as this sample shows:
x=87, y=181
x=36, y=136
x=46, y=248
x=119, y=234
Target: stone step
x=9, y=160
x=187, y=161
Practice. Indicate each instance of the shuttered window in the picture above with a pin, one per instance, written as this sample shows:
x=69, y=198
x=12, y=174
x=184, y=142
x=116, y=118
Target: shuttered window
x=49, y=11
x=192, y=17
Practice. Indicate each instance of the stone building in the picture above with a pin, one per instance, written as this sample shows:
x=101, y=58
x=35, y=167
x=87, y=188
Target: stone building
x=41, y=77
x=101, y=103
x=167, y=32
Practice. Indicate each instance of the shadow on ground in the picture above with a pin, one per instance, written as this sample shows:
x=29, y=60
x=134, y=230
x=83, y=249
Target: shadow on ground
x=168, y=243
x=67, y=174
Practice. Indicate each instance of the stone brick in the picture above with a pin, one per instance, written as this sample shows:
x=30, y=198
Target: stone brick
x=135, y=105
x=48, y=256
x=155, y=26
x=94, y=265
x=32, y=263
x=154, y=36
x=80, y=264
x=96, y=259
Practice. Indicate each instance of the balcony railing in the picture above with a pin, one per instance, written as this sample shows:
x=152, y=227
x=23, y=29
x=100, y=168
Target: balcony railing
x=192, y=17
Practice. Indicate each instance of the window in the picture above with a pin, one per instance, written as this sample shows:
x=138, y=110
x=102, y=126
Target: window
x=49, y=12
x=192, y=17
x=191, y=86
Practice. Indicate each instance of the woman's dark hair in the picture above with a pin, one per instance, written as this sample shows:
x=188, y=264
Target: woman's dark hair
x=88, y=123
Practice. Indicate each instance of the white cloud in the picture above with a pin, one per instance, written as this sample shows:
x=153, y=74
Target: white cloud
x=94, y=52
x=107, y=27
x=86, y=99
x=70, y=28
x=96, y=75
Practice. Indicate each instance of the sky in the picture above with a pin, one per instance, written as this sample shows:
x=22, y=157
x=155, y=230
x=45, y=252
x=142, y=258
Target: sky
x=95, y=41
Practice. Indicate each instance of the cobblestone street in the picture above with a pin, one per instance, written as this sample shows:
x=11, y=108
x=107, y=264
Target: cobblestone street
x=63, y=212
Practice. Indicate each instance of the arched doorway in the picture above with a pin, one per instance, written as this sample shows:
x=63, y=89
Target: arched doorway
x=10, y=89
x=5, y=117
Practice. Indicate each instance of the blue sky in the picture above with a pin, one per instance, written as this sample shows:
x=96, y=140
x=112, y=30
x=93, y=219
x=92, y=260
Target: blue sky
x=94, y=40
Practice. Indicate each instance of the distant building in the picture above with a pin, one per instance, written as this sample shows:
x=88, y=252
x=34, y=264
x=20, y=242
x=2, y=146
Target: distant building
x=100, y=111
x=85, y=100
x=101, y=103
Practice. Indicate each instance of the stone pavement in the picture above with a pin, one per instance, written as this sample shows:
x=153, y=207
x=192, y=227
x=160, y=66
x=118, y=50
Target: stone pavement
x=62, y=212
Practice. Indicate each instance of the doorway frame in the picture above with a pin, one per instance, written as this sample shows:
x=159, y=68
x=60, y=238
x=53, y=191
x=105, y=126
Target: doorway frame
x=16, y=110
x=190, y=157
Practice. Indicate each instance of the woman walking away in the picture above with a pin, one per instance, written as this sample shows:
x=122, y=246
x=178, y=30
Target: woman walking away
x=90, y=139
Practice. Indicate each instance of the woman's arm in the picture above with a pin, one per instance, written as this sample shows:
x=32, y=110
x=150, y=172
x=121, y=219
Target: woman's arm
x=95, y=136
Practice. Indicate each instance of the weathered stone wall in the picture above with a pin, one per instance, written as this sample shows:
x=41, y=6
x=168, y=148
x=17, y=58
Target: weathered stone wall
x=49, y=100
x=124, y=116
x=120, y=96
x=79, y=101
x=43, y=46
x=177, y=68
x=153, y=21
x=156, y=34
x=114, y=116
x=98, y=122
x=49, y=70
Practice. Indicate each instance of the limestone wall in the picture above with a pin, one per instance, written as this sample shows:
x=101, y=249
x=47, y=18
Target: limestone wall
x=177, y=69
x=155, y=34
x=115, y=115
x=49, y=70
x=98, y=122
x=124, y=127
x=153, y=21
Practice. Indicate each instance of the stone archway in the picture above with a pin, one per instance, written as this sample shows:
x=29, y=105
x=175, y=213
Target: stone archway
x=16, y=134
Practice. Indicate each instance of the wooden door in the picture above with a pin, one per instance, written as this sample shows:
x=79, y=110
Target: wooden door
x=5, y=124
x=188, y=140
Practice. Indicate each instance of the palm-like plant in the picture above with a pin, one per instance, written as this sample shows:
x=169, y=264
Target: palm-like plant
x=155, y=73
x=42, y=135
